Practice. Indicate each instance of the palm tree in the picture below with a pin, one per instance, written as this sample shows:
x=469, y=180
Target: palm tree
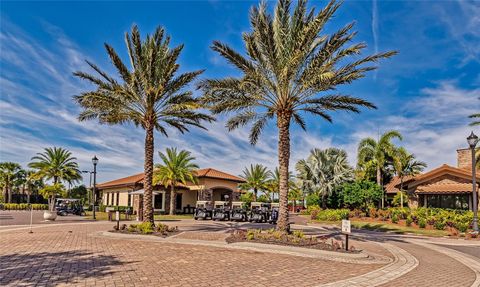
x=151, y=94
x=9, y=172
x=378, y=153
x=405, y=164
x=176, y=167
x=256, y=178
x=58, y=165
x=324, y=171
x=32, y=183
x=288, y=70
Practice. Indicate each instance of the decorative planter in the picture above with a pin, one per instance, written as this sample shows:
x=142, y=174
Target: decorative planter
x=50, y=215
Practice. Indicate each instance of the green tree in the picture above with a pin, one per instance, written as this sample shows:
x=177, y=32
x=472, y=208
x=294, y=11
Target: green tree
x=404, y=165
x=289, y=68
x=50, y=192
x=247, y=198
x=9, y=174
x=176, y=167
x=56, y=164
x=324, y=171
x=256, y=178
x=151, y=94
x=377, y=153
x=79, y=192
x=32, y=183
x=361, y=193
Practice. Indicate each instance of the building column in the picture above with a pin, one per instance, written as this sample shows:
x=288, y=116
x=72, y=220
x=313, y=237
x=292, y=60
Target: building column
x=425, y=200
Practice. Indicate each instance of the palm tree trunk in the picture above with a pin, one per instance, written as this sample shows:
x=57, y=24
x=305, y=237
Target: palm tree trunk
x=379, y=182
x=283, y=124
x=5, y=193
x=401, y=191
x=148, y=169
x=255, y=194
x=172, y=199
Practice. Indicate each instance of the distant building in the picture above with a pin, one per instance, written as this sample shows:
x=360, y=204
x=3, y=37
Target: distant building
x=444, y=187
x=212, y=185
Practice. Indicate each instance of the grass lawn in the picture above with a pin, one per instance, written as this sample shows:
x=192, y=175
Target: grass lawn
x=104, y=216
x=388, y=227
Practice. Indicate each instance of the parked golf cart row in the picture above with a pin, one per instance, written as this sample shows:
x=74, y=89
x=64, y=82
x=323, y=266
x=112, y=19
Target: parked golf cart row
x=66, y=206
x=223, y=210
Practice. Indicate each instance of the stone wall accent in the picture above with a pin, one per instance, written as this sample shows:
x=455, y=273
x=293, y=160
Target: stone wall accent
x=464, y=158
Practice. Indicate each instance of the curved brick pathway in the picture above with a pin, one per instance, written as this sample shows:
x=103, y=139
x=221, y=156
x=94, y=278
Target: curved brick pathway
x=75, y=254
x=72, y=255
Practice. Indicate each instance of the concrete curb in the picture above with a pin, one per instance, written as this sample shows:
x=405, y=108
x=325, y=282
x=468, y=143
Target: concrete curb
x=403, y=263
x=359, y=258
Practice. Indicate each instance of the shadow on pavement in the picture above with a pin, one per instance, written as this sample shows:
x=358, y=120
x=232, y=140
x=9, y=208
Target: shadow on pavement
x=54, y=268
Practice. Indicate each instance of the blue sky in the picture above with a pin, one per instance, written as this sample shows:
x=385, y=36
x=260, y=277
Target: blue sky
x=426, y=92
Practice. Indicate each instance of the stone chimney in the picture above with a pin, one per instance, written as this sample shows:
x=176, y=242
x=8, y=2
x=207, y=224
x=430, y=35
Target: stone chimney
x=464, y=158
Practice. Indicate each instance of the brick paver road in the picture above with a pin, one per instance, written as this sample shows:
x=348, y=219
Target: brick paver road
x=74, y=255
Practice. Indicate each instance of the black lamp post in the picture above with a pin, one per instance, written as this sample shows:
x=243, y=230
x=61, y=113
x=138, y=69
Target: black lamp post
x=472, y=142
x=94, y=191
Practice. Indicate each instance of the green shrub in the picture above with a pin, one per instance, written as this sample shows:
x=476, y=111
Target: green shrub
x=439, y=225
x=298, y=233
x=395, y=218
x=145, y=227
x=333, y=214
x=422, y=223
x=24, y=206
x=409, y=220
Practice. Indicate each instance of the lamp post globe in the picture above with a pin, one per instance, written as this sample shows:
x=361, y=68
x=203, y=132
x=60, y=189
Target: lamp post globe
x=472, y=140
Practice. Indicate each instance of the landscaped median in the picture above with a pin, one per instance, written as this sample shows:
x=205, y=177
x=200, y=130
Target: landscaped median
x=23, y=206
x=145, y=232
x=422, y=221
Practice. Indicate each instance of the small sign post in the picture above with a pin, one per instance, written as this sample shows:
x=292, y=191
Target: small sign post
x=117, y=218
x=346, y=229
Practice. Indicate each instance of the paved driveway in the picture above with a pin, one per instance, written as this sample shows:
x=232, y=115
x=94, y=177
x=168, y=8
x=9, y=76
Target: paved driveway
x=17, y=217
x=80, y=254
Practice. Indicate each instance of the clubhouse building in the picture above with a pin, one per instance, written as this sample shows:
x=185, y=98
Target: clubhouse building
x=212, y=185
x=444, y=187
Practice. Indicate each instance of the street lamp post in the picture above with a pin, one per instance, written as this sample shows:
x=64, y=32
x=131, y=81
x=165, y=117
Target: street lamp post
x=94, y=191
x=472, y=142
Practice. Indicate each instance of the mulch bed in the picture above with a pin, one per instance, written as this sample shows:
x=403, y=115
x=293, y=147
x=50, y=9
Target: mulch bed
x=319, y=243
x=158, y=234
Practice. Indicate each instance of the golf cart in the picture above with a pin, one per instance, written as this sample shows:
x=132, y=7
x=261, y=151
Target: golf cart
x=66, y=206
x=238, y=213
x=203, y=210
x=260, y=212
x=274, y=213
x=221, y=210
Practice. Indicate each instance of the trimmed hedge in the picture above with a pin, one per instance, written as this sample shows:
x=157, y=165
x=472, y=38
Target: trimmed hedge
x=23, y=206
x=438, y=218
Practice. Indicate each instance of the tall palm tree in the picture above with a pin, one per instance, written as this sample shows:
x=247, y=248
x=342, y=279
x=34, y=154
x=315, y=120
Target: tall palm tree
x=273, y=184
x=377, y=152
x=404, y=165
x=32, y=183
x=289, y=68
x=58, y=165
x=256, y=178
x=176, y=167
x=323, y=171
x=9, y=172
x=151, y=94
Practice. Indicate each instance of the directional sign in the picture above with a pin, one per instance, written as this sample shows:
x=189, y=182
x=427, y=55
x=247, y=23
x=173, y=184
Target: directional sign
x=346, y=226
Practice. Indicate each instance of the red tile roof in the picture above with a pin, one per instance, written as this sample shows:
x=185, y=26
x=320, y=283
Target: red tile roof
x=138, y=178
x=445, y=188
x=394, y=185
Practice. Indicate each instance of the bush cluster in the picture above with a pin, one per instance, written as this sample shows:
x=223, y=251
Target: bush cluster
x=331, y=214
x=23, y=206
x=149, y=228
x=438, y=218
